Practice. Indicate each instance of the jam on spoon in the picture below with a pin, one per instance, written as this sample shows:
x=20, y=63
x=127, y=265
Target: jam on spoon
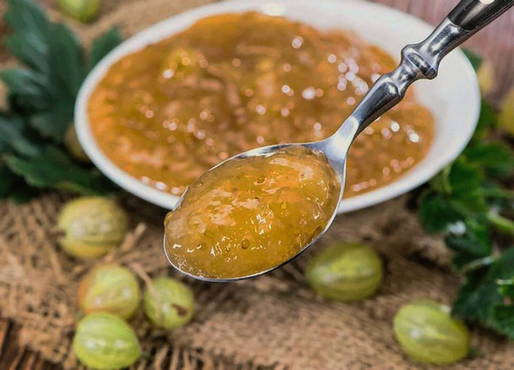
x=252, y=214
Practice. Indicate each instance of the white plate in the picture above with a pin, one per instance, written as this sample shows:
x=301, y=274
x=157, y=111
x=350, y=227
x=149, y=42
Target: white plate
x=453, y=98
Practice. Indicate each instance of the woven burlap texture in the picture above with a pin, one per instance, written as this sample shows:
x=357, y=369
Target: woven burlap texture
x=270, y=322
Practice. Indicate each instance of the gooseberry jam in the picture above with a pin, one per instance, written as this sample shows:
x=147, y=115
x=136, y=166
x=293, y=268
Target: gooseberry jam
x=249, y=215
x=167, y=113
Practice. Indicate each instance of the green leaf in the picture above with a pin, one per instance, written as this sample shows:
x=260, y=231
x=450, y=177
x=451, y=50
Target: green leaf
x=474, y=242
x=54, y=169
x=27, y=86
x=506, y=287
x=12, y=135
x=8, y=180
x=503, y=319
x=29, y=40
x=54, y=121
x=436, y=213
x=465, y=181
x=441, y=181
x=486, y=120
x=476, y=300
x=470, y=203
x=66, y=60
x=103, y=45
x=475, y=59
x=496, y=158
x=43, y=97
x=13, y=187
x=464, y=176
x=504, y=267
x=480, y=297
x=48, y=91
x=456, y=194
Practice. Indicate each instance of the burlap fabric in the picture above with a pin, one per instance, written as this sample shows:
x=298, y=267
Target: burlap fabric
x=274, y=322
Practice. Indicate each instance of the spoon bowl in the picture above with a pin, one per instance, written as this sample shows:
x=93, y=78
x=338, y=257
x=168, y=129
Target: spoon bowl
x=337, y=163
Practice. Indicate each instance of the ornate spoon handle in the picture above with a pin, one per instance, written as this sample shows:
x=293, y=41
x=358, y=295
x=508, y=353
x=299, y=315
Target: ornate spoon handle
x=421, y=60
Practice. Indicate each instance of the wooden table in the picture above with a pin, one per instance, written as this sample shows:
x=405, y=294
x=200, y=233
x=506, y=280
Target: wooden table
x=495, y=42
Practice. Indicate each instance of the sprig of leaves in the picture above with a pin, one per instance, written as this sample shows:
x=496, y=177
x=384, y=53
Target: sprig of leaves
x=41, y=98
x=467, y=201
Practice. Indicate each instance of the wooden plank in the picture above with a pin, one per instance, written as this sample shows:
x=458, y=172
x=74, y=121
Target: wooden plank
x=4, y=334
x=13, y=356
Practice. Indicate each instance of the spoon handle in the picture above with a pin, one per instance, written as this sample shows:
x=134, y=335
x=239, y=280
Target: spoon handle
x=421, y=60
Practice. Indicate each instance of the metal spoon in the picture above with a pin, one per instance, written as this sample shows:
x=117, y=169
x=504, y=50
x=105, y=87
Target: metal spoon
x=419, y=61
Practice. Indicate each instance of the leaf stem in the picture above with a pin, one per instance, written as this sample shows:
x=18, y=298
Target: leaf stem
x=500, y=223
x=478, y=263
x=498, y=193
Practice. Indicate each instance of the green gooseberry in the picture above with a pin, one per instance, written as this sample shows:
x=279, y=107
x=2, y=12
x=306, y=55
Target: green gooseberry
x=72, y=144
x=345, y=272
x=168, y=303
x=109, y=288
x=486, y=77
x=428, y=333
x=91, y=226
x=506, y=113
x=81, y=10
x=104, y=341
